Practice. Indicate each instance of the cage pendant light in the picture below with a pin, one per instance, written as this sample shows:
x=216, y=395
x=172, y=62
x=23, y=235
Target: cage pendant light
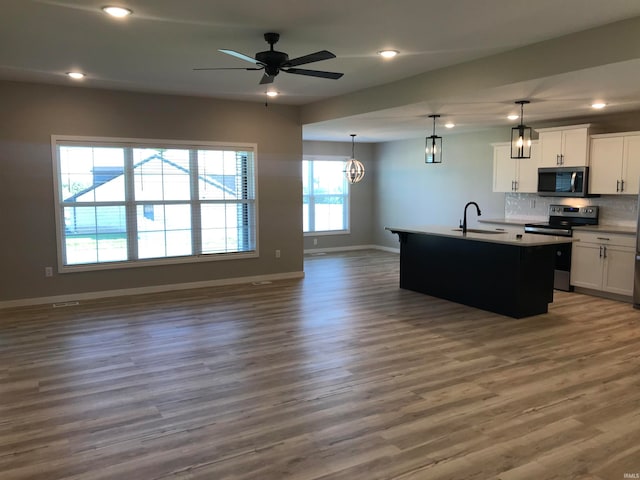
x=433, y=148
x=521, y=136
x=354, y=170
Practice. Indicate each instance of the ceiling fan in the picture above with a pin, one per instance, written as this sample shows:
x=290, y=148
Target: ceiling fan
x=274, y=62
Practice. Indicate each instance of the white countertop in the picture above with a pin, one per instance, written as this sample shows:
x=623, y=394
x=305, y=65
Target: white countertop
x=606, y=229
x=506, y=238
x=519, y=222
x=602, y=228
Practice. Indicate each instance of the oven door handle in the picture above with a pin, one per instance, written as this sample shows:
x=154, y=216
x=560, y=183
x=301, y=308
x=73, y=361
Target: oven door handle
x=573, y=181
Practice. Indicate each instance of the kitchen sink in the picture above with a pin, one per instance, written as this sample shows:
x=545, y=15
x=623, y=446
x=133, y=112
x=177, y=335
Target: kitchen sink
x=478, y=230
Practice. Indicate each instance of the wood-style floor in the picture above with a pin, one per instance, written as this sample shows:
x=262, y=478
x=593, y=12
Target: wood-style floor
x=340, y=375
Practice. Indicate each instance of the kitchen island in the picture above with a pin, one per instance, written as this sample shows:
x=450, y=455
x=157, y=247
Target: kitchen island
x=506, y=273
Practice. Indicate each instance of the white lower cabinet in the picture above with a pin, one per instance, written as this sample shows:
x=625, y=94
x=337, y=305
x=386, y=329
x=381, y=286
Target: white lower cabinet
x=603, y=261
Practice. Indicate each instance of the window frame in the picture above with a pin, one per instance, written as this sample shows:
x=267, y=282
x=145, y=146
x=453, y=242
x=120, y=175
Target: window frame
x=347, y=213
x=63, y=140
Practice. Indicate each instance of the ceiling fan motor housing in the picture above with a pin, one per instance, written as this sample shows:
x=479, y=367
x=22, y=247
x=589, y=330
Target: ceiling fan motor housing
x=272, y=60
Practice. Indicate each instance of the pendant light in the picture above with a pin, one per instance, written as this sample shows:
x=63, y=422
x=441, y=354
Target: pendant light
x=354, y=170
x=433, y=148
x=521, y=136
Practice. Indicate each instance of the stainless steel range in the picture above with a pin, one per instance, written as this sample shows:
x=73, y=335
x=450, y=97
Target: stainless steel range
x=562, y=219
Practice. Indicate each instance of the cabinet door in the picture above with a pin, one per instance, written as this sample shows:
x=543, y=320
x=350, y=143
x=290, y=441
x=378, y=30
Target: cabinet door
x=550, y=148
x=586, y=265
x=631, y=165
x=618, y=271
x=606, y=165
x=527, y=175
x=574, y=147
x=504, y=169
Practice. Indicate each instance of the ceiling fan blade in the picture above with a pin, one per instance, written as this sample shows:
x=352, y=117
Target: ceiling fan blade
x=314, y=73
x=241, y=56
x=267, y=79
x=229, y=68
x=312, y=57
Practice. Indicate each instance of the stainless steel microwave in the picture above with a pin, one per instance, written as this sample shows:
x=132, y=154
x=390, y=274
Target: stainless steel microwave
x=563, y=181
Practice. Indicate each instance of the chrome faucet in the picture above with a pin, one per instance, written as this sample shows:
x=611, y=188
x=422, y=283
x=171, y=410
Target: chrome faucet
x=464, y=222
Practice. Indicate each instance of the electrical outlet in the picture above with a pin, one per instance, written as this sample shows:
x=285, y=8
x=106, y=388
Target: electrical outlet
x=532, y=203
x=315, y=241
x=48, y=271
x=277, y=253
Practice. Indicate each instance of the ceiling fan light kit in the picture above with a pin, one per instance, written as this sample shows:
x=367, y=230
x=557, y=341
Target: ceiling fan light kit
x=521, y=136
x=273, y=62
x=433, y=145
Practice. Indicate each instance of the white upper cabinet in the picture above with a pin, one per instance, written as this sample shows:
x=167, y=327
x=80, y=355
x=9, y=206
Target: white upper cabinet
x=514, y=174
x=564, y=146
x=615, y=164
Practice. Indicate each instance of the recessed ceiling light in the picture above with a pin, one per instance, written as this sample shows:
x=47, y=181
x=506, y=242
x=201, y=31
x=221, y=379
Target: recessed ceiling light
x=388, y=53
x=118, y=12
x=598, y=105
x=449, y=125
x=513, y=117
x=76, y=75
x=271, y=93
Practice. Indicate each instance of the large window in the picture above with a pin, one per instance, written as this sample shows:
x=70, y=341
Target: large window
x=127, y=203
x=325, y=196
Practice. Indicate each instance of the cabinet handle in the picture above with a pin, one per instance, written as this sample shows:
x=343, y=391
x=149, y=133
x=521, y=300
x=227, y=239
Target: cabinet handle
x=516, y=184
x=617, y=185
x=600, y=251
x=562, y=159
x=622, y=185
x=604, y=249
x=557, y=159
x=603, y=238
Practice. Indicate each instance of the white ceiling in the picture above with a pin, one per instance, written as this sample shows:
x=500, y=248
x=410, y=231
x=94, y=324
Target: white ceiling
x=156, y=49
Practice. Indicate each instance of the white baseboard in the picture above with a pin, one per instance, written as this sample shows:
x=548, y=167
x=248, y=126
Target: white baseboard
x=24, y=302
x=350, y=248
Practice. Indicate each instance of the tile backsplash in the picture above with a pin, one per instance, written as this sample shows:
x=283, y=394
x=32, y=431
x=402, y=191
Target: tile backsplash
x=614, y=209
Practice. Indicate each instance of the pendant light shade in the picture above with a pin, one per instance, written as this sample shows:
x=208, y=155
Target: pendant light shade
x=521, y=136
x=354, y=170
x=433, y=148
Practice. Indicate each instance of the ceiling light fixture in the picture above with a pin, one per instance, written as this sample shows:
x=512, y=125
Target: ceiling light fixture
x=388, y=53
x=449, y=125
x=521, y=136
x=598, y=105
x=76, y=75
x=354, y=170
x=271, y=93
x=118, y=12
x=513, y=116
x=433, y=148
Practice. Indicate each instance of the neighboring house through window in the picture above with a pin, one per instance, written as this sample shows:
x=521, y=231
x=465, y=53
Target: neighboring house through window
x=325, y=193
x=134, y=202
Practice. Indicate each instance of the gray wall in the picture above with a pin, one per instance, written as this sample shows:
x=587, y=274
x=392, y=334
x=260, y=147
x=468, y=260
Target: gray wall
x=361, y=196
x=409, y=192
x=31, y=113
